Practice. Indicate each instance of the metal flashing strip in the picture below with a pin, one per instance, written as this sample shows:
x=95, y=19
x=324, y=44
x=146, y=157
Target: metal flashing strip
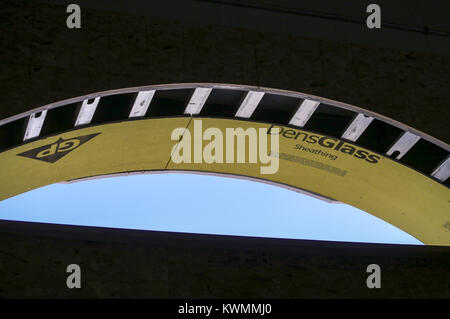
x=442, y=172
x=142, y=103
x=304, y=112
x=249, y=104
x=34, y=126
x=197, y=101
x=87, y=111
x=357, y=127
x=403, y=145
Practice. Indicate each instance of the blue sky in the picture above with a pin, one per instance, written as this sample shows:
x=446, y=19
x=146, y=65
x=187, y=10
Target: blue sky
x=199, y=204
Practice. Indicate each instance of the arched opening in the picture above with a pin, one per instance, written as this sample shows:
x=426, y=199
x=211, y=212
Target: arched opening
x=334, y=150
x=194, y=203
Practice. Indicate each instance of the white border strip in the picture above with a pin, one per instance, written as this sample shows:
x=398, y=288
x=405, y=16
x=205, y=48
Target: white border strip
x=357, y=127
x=87, y=112
x=35, y=125
x=197, y=101
x=250, y=103
x=403, y=144
x=443, y=170
x=141, y=104
x=304, y=112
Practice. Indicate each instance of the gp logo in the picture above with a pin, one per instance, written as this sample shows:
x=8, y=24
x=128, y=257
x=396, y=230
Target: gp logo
x=52, y=152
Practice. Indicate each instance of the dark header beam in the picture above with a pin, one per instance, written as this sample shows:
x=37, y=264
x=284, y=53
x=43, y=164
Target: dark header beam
x=130, y=263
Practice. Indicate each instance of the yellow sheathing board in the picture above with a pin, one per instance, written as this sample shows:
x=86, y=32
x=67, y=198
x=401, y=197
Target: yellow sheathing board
x=395, y=193
x=120, y=147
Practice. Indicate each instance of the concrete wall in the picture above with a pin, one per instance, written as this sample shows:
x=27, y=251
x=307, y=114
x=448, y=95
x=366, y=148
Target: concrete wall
x=140, y=264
